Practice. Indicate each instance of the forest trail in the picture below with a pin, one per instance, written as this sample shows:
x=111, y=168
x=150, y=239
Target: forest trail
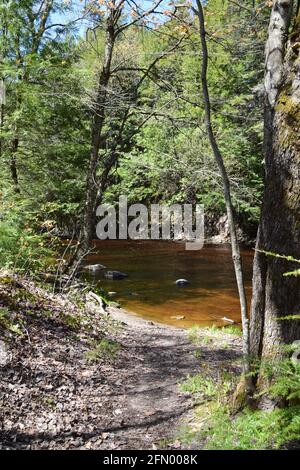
x=158, y=358
x=52, y=397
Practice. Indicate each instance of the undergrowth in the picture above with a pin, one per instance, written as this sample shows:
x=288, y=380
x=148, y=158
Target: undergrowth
x=102, y=349
x=23, y=250
x=216, y=426
x=198, y=335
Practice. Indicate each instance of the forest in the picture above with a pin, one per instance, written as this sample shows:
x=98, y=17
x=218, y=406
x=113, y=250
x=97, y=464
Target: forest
x=114, y=342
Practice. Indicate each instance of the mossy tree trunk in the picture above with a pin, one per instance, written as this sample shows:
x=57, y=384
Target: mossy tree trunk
x=274, y=295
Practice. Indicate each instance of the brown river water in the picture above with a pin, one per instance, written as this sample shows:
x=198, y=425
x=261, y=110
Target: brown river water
x=153, y=267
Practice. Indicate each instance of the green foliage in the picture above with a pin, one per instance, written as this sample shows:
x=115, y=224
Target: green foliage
x=290, y=317
x=101, y=350
x=216, y=428
x=203, y=387
x=71, y=321
x=8, y=323
x=23, y=249
x=43, y=113
x=167, y=159
x=232, y=329
x=193, y=334
x=206, y=335
x=284, y=379
x=170, y=160
x=23, y=246
x=251, y=430
x=290, y=258
x=200, y=386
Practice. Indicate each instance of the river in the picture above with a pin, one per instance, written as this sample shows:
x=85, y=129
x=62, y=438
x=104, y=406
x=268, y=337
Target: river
x=153, y=267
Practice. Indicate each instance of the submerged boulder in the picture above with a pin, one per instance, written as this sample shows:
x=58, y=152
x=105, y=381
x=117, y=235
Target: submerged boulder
x=115, y=275
x=182, y=282
x=94, y=267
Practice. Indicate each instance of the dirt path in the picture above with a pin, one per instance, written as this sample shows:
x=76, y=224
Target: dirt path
x=147, y=391
x=52, y=397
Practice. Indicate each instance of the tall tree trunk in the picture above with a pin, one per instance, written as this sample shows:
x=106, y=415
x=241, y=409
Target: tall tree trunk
x=2, y=112
x=237, y=262
x=15, y=142
x=99, y=115
x=13, y=165
x=97, y=125
x=40, y=20
x=275, y=295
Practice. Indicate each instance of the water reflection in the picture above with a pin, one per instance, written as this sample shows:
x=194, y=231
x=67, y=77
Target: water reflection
x=154, y=266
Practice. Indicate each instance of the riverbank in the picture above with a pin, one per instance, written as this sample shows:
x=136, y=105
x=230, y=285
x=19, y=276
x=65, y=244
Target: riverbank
x=73, y=378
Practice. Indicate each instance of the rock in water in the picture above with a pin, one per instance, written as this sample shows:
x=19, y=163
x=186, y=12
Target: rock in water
x=182, y=282
x=94, y=267
x=228, y=320
x=115, y=275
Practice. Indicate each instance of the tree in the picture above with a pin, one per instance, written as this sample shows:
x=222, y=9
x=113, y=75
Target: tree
x=115, y=23
x=26, y=32
x=276, y=296
x=171, y=160
x=236, y=256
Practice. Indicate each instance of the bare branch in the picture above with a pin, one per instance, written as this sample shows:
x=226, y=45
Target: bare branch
x=139, y=17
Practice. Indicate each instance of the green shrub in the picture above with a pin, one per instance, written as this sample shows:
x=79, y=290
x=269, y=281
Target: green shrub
x=252, y=429
x=216, y=428
x=24, y=250
x=199, y=385
x=284, y=378
x=8, y=323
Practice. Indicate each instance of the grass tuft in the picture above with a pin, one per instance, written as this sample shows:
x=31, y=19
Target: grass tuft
x=103, y=349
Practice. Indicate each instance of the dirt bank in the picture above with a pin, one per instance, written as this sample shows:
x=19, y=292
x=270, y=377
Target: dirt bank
x=61, y=390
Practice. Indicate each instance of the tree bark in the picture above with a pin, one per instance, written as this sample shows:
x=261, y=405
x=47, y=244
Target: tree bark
x=98, y=119
x=236, y=257
x=275, y=295
x=13, y=165
x=2, y=114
